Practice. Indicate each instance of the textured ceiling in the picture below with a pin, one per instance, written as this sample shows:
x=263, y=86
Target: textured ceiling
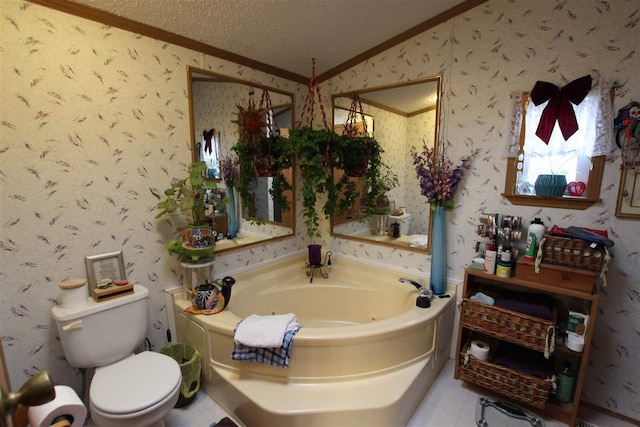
x=282, y=33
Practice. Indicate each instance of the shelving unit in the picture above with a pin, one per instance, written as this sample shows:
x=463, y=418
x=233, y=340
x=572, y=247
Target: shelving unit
x=550, y=283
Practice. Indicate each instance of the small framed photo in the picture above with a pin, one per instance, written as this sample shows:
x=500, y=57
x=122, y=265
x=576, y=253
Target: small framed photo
x=105, y=266
x=628, y=205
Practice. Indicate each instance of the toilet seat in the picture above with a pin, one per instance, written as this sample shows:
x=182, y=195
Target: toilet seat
x=134, y=384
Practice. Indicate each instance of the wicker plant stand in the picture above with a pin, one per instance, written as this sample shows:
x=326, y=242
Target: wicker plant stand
x=527, y=331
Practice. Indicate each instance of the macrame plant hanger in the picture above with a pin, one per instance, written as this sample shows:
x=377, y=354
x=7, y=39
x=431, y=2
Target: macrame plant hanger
x=266, y=164
x=272, y=123
x=351, y=125
x=306, y=117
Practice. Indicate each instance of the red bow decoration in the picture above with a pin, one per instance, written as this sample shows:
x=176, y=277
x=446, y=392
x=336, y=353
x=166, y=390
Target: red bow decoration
x=559, y=107
x=208, y=135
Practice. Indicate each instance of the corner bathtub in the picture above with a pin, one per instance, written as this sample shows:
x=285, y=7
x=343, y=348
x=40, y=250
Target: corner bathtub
x=366, y=355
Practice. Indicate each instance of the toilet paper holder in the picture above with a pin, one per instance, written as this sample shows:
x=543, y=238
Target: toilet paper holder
x=36, y=391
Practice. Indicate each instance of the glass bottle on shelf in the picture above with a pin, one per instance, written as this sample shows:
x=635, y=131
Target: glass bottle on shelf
x=566, y=382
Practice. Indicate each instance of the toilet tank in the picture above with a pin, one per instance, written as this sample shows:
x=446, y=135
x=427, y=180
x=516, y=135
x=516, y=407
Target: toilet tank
x=101, y=333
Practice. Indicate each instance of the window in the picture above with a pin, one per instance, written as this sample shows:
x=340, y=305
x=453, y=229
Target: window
x=580, y=158
x=209, y=150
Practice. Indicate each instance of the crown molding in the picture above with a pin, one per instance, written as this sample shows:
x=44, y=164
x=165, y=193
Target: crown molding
x=404, y=36
x=113, y=20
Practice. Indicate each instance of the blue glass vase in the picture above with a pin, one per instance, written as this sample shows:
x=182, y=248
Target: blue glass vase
x=231, y=213
x=438, y=280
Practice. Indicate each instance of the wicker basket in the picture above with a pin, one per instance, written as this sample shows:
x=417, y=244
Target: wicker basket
x=575, y=253
x=518, y=328
x=506, y=381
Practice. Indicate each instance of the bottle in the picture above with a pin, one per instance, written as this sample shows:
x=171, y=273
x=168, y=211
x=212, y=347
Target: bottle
x=535, y=233
x=504, y=264
x=490, y=259
x=566, y=382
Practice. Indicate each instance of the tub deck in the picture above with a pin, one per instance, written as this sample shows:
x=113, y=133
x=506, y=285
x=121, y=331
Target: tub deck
x=371, y=364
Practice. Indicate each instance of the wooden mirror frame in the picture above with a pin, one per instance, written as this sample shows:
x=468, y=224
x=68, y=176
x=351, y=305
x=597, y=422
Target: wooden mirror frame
x=362, y=93
x=237, y=244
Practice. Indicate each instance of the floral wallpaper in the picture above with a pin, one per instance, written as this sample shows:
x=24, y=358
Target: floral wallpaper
x=94, y=116
x=483, y=55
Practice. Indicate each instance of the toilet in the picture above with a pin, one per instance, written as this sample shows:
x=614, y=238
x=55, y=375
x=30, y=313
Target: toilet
x=127, y=389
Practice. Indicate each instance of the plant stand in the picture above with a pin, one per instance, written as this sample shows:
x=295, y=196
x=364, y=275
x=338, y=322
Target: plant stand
x=194, y=274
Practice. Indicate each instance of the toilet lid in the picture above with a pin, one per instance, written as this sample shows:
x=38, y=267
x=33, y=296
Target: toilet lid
x=135, y=383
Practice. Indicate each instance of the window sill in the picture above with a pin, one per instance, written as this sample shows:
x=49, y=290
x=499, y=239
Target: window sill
x=564, y=202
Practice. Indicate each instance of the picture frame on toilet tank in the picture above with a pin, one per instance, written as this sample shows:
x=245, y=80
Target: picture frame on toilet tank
x=105, y=266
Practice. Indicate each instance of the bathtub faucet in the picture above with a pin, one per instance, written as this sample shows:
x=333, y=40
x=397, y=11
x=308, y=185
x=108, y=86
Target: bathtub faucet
x=426, y=295
x=311, y=268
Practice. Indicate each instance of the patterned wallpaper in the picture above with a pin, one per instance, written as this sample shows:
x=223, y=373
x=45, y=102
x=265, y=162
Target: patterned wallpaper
x=483, y=55
x=93, y=116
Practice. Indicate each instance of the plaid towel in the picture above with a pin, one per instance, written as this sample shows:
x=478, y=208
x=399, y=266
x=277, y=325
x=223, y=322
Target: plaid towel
x=276, y=356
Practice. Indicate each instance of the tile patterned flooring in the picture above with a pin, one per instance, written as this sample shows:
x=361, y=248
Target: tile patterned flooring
x=448, y=403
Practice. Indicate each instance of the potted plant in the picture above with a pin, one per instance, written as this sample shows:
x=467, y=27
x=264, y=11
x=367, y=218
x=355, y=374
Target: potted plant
x=188, y=196
x=313, y=149
x=376, y=201
x=355, y=154
x=263, y=156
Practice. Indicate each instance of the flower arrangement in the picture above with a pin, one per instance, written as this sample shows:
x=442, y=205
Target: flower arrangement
x=229, y=170
x=437, y=175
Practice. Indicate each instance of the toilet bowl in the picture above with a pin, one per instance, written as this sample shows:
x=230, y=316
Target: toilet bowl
x=126, y=389
x=137, y=391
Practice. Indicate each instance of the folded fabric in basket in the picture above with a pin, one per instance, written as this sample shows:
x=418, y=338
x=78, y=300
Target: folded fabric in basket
x=276, y=356
x=483, y=298
x=264, y=331
x=538, y=305
x=522, y=359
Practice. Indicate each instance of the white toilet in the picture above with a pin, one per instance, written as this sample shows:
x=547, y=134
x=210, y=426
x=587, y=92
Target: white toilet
x=126, y=389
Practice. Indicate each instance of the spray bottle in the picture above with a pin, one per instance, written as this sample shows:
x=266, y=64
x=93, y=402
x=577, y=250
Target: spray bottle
x=534, y=236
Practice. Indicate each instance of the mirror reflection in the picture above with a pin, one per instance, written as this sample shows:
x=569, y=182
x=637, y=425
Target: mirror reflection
x=214, y=112
x=403, y=115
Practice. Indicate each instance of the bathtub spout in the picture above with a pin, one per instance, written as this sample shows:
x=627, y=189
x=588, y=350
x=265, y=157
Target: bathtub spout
x=414, y=283
x=425, y=296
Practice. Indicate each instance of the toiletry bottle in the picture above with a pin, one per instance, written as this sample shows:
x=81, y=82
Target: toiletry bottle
x=566, y=381
x=535, y=234
x=504, y=268
x=490, y=259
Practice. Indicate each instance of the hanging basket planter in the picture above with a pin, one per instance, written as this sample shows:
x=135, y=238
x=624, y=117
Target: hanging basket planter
x=266, y=166
x=357, y=169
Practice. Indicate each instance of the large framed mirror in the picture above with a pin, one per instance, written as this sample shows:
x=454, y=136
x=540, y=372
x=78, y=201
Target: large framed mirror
x=213, y=116
x=404, y=115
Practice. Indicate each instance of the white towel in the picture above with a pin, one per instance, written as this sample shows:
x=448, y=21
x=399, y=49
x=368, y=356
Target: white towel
x=264, y=331
x=419, y=241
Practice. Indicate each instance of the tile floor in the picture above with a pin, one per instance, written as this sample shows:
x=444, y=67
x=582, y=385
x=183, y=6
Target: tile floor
x=448, y=403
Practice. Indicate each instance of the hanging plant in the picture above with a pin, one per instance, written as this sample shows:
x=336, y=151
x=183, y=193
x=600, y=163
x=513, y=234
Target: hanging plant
x=314, y=150
x=262, y=154
x=279, y=151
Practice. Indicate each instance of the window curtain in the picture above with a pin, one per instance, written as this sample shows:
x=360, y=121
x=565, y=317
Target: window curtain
x=593, y=138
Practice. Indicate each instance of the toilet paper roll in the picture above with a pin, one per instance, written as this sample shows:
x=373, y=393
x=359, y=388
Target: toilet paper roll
x=66, y=403
x=74, y=293
x=480, y=349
